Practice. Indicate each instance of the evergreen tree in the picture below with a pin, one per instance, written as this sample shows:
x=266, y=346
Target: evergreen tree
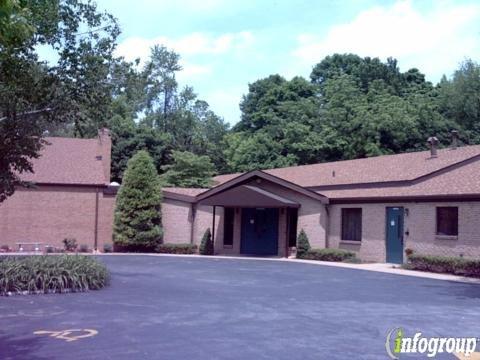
x=137, y=214
x=303, y=245
x=206, y=245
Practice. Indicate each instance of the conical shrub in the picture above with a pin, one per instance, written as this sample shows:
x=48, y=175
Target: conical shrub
x=206, y=245
x=303, y=245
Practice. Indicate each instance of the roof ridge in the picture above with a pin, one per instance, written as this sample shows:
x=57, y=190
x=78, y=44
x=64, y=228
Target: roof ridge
x=358, y=159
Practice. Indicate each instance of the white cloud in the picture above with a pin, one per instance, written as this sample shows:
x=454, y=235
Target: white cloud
x=435, y=41
x=188, y=45
x=190, y=70
x=225, y=102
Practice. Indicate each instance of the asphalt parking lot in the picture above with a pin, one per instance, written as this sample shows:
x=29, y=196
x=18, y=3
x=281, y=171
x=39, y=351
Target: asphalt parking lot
x=166, y=307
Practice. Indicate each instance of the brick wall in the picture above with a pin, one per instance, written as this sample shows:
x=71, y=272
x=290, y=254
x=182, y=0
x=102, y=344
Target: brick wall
x=421, y=225
x=176, y=221
x=48, y=214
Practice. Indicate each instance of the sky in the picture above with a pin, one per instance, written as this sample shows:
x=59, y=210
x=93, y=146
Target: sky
x=227, y=44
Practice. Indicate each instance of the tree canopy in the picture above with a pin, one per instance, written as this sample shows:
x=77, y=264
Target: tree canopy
x=350, y=107
x=188, y=170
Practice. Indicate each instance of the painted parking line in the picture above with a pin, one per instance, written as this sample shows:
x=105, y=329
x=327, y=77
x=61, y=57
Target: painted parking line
x=68, y=335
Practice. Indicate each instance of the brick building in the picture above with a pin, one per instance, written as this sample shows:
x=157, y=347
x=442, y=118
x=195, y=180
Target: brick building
x=71, y=196
x=427, y=201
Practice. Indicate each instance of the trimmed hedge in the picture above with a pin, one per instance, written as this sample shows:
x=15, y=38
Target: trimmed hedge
x=51, y=274
x=444, y=264
x=177, y=249
x=329, y=255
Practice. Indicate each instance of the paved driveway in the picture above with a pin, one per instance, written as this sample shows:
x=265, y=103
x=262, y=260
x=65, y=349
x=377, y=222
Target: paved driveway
x=198, y=308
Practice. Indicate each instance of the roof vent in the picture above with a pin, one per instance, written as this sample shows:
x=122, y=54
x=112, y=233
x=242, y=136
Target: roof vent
x=98, y=157
x=333, y=173
x=454, y=139
x=433, y=143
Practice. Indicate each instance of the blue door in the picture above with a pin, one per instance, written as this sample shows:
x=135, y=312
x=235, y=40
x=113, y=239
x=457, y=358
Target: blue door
x=395, y=235
x=259, y=231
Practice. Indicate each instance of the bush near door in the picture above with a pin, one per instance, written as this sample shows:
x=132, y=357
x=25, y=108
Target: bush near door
x=303, y=245
x=206, y=245
x=304, y=251
x=329, y=255
x=444, y=264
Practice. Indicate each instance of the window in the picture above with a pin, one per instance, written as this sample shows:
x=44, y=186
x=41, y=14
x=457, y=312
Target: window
x=228, y=221
x=447, y=221
x=352, y=224
x=292, y=214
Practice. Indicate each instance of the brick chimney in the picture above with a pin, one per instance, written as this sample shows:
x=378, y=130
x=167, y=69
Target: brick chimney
x=454, y=139
x=433, y=143
x=104, y=153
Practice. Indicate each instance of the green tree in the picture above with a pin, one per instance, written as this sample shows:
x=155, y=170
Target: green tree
x=137, y=223
x=36, y=97
x=363, y=70
x=128, y=138
x=188, y=170
x=15, y=26
x=278, y=125
x=303, y=245
x=247, y=152
x=206, y=245
x=379, y=122
x=459, y=100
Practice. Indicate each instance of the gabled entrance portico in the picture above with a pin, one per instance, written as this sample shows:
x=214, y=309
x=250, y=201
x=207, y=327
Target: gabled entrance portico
x=261, y=203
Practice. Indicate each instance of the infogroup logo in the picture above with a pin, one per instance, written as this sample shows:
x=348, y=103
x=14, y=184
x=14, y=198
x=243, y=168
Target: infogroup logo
x=397, y=343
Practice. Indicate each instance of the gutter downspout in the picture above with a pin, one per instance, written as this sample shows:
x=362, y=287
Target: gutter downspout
x=213, y=226
x=287, y=231
x=327, y=226
x=192, y=224
x=95, y=241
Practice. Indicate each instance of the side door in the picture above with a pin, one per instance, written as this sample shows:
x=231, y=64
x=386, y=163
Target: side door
x=394, y=233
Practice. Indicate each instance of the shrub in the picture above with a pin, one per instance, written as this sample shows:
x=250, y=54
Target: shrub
x=70, y=244
x=107, y=248
x=177, y=248
x=206, y=245
x=45, y=273
x=4, y=248
x=408, y=252
x=137, y=225
x=444, y=264
x=303, y=245
x=49, y=249
x=83, y=248
x=329, y=255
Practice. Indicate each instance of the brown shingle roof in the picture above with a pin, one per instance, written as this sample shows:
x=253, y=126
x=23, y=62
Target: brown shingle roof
x=461, y=181
x=68, y=161
x=400, y=167
x=184, y=191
